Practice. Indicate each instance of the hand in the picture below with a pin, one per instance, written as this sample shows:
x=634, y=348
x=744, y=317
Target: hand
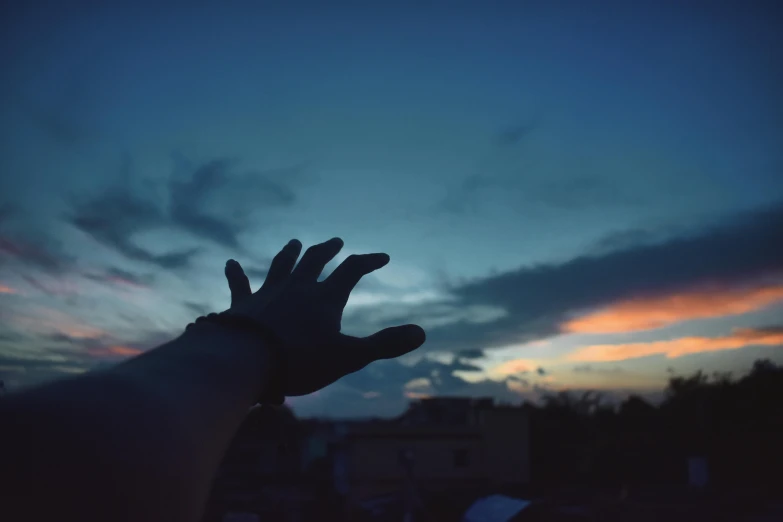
x=306, y=315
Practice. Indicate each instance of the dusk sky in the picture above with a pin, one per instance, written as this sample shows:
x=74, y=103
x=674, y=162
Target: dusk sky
x=572, y=196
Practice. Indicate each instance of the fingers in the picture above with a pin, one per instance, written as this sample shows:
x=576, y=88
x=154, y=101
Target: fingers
x=237, y=282
x=385, y=344
x=283, y=263
x=315, y=259
x=346, y=276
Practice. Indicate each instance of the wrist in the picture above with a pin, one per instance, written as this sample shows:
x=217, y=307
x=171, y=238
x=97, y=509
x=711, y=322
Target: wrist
x=238, y=356
x=256, y=333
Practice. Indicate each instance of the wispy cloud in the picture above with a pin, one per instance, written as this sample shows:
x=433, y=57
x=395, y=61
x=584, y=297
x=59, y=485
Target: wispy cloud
x=197, y=202
x=648, y=313
x=43, y=253
x=211, y=202
x=116, y=216
x=114, y=351
x=196, y=308
x=121, y=277
x=56, y=286
x=739, y=338
x=538, y=301
x=515, y=366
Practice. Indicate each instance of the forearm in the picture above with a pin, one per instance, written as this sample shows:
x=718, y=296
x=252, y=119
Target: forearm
x=147, y=435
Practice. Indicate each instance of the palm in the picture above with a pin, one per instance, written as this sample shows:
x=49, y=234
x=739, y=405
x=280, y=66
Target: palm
x=306, y=314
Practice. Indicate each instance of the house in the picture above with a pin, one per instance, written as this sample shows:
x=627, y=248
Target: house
x=438, y=444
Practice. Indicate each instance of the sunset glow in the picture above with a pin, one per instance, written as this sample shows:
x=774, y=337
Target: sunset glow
x=739, y=338
x=513, y=366
x=112, y=351
x=658, y=312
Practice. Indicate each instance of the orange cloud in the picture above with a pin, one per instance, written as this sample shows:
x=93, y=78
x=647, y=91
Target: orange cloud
x=7, y=290
x=649, y=313
x=111, y=351
x=739, y=338
x=417, y=395
x=45, y=320
x=513, y=366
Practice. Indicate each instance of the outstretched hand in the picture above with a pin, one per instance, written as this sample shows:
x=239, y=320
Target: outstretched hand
x=306, y=315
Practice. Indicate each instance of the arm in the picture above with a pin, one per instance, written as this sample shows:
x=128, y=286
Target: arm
x=140, y=441
x=143, y=440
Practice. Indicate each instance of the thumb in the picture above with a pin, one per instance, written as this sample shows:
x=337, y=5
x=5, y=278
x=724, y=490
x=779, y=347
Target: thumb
x=393, y=342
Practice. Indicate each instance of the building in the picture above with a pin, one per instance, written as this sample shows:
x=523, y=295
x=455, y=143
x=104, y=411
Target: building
x=439, y=444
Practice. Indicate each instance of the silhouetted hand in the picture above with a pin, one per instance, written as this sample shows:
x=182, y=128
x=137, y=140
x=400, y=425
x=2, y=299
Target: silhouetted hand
x=306, y=315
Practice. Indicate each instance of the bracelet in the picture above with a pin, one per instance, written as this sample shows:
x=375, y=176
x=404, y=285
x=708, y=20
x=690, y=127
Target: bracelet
x=274, y=393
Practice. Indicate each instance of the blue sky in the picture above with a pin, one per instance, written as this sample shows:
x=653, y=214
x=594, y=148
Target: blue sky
x=524, y=166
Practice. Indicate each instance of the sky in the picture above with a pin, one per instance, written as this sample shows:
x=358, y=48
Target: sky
x=574, y=195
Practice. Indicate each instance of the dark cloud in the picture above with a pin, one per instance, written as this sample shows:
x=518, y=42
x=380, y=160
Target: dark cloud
x=466, y=196
x=196, y=308
x=44, y=254
x=188, y=199
x=209, y=201
x=27, y=247
x=735, y=251
x=537, y=300
x=60, y=124
x=587, y=368
x=120, y=277
x=380, y=389
x=50, y=287
x=515, y=134
x=199, y=202
x=7, y=211
x=535, y=194
x=114, y=217
x=541, y=371
x=625, y=239
x=533, y=185
x=9, y=337
x=517, y=378
x=470, y=354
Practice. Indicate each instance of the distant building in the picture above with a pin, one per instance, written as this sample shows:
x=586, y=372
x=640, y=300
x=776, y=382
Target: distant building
x=438, y=444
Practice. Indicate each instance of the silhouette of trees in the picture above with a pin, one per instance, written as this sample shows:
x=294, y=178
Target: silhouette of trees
x=736, y=424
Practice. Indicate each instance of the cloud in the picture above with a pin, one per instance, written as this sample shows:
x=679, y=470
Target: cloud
x=188, y=197
x=120, y=277
x=114, y=351
x=739, y=338
x=7, y=290
x=535, y=182
x=198, y=202
x=516, y=134
x=208, y=201
x=470, y=354
x=55, y=287
x=42, y=252
x=196, y=308
x=538, y=301
x=648, y=313
x=514, y=366
x=385, y=387
x=59, y=346
x=47, y=323
x=587, y=368
x=114, y=217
